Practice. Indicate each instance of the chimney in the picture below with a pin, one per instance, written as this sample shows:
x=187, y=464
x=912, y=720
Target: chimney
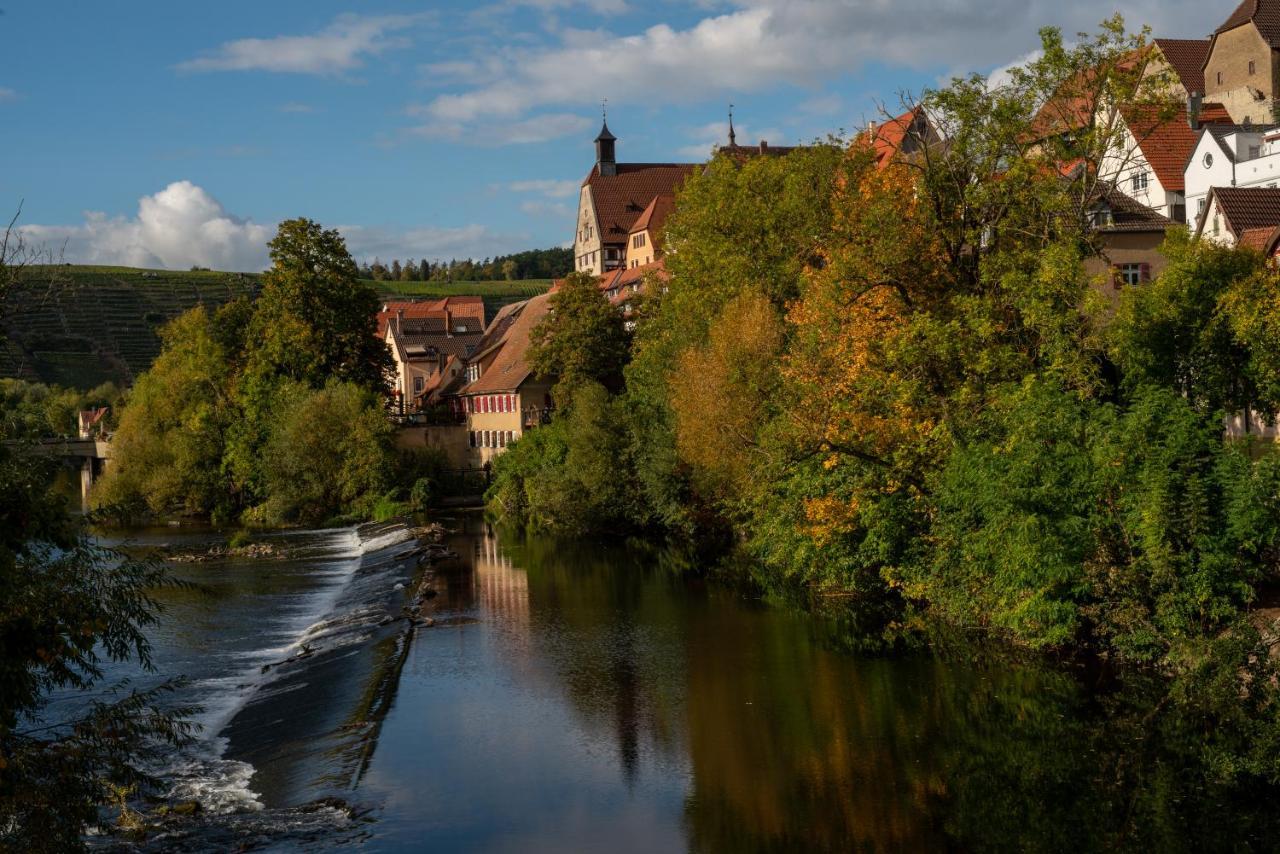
x=764, y=146
x=1194, y=101
x=399, y=319
x=448, y=323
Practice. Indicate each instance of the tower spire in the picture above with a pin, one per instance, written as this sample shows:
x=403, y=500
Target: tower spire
x=606, y=157
x=733, y=137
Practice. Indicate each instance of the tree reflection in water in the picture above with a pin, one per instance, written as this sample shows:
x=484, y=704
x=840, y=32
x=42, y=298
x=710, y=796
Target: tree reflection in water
x=793, y=742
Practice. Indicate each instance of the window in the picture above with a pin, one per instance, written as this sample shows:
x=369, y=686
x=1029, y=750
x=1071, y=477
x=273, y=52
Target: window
x=1140, y=180
x=417, y=385
x=1200, y=206
x=1132, y=274
x=1253, y=68
x=1208, y=160
x=471, y=438
x=1255, y=151
x=1219, y=78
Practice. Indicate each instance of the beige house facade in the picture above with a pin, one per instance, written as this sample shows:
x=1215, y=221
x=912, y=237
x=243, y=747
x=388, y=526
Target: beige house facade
x=1242, y=72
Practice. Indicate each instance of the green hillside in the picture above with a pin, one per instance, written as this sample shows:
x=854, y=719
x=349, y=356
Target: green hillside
x=79, y=326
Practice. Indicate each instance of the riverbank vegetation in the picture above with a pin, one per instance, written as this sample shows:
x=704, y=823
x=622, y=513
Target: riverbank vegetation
x=67, y=607
x=898, y=381
x=266, y=411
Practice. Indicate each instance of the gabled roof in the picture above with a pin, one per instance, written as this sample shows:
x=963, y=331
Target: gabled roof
x=621, y=199
x=1265, y=15
x=1187, y=58
x=1129, y=215
x=654, y=215
x=510, y=367
x=902, y=134
x=459, y=306
x=1167, y=143
x=426, y=338
x=1263, y=239
x=1245, y=208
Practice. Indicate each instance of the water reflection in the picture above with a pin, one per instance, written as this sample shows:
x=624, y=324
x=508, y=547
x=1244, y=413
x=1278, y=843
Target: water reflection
x=587, y=697
x=746, y=728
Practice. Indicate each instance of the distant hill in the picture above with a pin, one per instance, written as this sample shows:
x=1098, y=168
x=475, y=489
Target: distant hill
x=79, y=326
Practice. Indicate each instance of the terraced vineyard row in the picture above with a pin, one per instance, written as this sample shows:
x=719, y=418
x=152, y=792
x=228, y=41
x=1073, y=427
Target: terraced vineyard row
x=80, y=326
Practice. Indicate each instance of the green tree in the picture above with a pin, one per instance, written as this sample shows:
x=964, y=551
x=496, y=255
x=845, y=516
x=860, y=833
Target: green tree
x=68, y=606
x=582, y=338
x=329, y=452
x=314, y=319
x=168, y=448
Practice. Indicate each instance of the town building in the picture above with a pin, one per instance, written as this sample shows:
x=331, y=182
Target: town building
x=422, y=337
x=643, y=243
x=1152, y=146
x=1129, y=235
x=1242, y=68
x=612, y=198
x=1230, y=156
x=1242, y=216
x=501, y=395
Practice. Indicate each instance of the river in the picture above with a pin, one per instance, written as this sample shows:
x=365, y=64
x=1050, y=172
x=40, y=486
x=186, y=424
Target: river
x=587, y=697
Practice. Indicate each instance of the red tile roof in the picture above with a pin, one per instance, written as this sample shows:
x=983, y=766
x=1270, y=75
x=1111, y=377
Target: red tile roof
x=1167, y=143
x=1263, y=239
x=899, y=134
x=621, y=285
x=1187, y=58
x=621, y=199
x=655, y=215
x=509, y=367
x=1265, y=14
x=461, y=306
x=1248, y=208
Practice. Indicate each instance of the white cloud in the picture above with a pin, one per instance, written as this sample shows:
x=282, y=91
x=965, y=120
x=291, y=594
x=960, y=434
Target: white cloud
x=339, y=47
x=535, y=129
x=179, y=227
x=430, y=242
x=759, y=45
x=548, y=210
x=600, y=7
x=552, y=189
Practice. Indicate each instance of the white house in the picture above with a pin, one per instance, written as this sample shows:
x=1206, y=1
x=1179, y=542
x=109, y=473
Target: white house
x=1230, y=156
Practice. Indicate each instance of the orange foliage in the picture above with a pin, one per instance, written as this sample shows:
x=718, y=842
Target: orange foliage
x=862, y=396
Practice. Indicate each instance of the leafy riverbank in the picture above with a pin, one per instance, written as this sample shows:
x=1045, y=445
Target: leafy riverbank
x=269, y=411
x=913, y=382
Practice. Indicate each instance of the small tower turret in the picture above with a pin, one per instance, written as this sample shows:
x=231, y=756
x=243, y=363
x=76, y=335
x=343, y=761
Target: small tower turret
x=606, y=155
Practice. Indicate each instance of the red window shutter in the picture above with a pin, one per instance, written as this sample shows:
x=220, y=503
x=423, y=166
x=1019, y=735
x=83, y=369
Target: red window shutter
x=1144, y=272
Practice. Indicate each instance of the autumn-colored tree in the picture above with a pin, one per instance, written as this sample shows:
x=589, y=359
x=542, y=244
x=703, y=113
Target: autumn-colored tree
x=725, y=392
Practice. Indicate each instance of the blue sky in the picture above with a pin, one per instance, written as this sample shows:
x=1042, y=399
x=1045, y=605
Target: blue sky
x=174, y=133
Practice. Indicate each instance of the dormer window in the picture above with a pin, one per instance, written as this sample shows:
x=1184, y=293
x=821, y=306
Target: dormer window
x=1101, y=217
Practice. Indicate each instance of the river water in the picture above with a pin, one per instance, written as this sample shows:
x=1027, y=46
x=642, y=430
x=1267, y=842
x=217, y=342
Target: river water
x=583, y=697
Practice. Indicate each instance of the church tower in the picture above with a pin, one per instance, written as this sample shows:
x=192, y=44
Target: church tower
x=606, y=156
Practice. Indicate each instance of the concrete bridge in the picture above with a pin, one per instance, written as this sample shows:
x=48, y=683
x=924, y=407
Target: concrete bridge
x=92, y=453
